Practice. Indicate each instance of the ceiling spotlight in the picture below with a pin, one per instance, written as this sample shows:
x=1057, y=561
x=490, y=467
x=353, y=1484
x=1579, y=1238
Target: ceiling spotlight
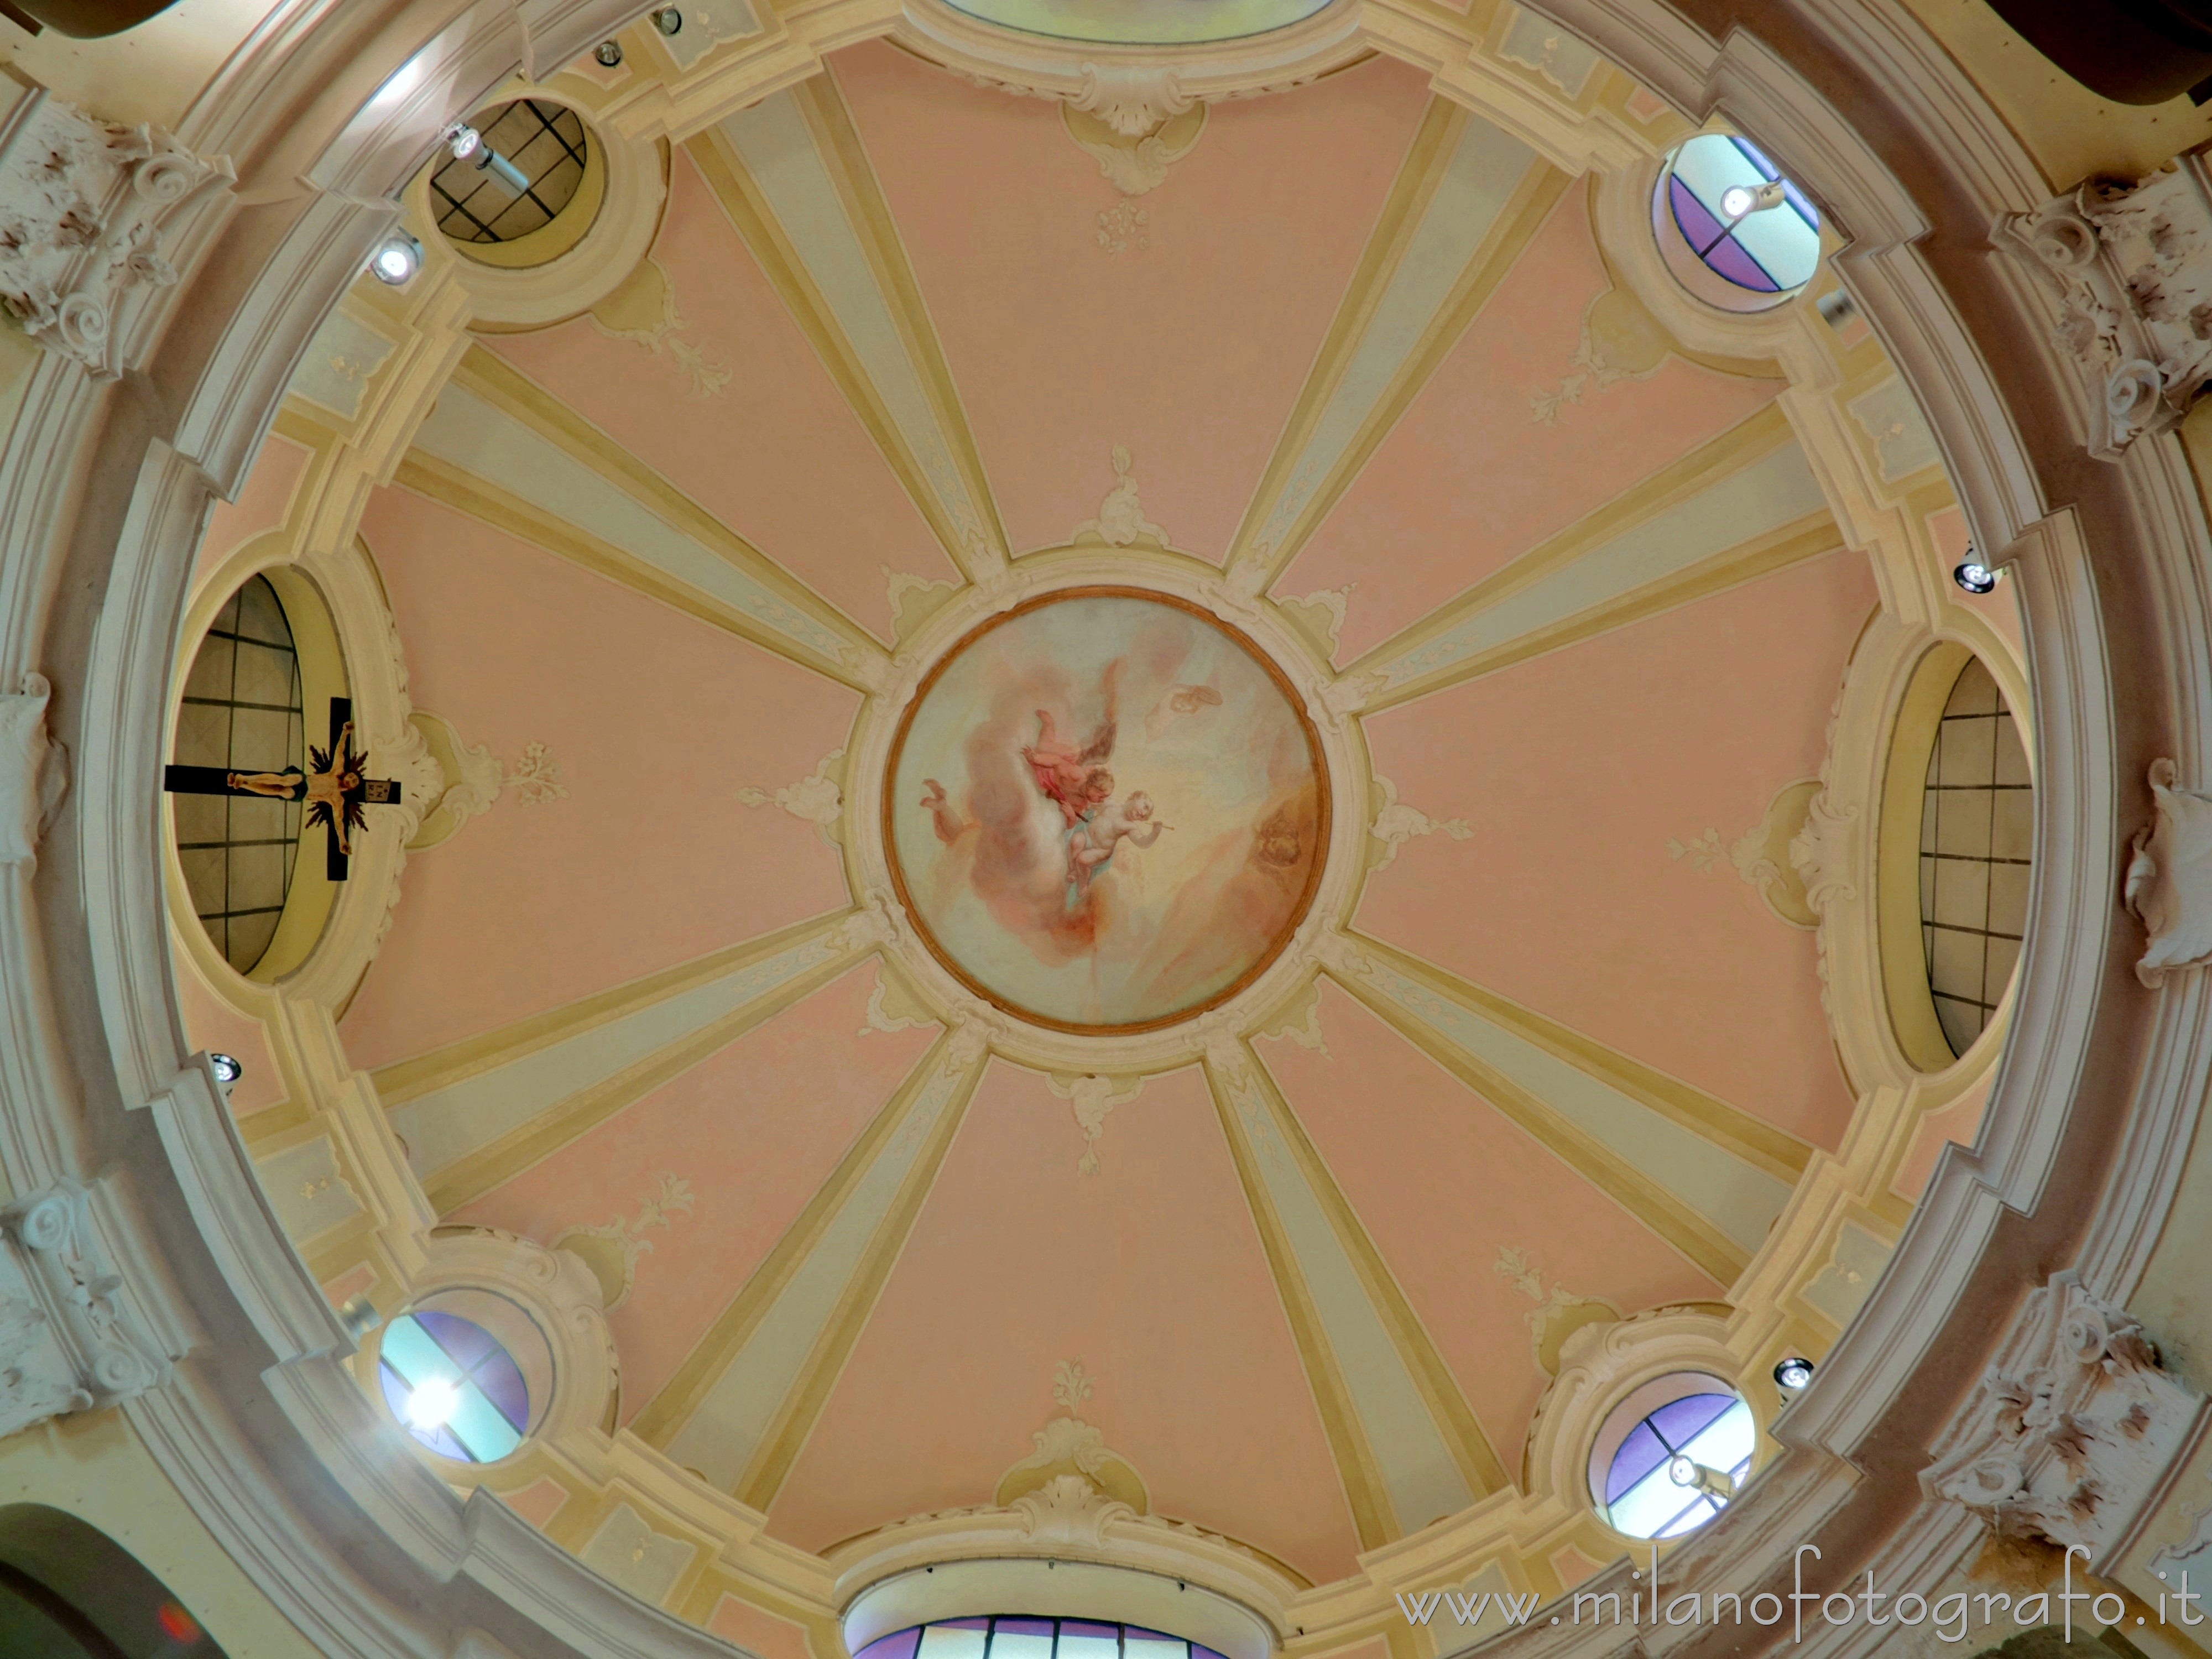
x=1793, y=1374
x=462, y=139
x=1741, y=201
x=608, y=54
x=396, y=260
x=1976, y=577
x=668, y=21
x=431, y=1406
x=226, y=1068
x=1682, y=1471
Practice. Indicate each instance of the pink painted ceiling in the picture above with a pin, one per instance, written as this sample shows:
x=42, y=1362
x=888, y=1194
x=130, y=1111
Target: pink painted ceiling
x=1557, y=784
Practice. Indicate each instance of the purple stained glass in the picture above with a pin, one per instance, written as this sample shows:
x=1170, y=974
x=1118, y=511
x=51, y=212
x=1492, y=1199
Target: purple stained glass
x=1734, y=261
x=1640, y=1454
x=1025, y=1627
x=899, y=1645
x=1099, y=1633
x=1198, y=1652
x=463, y=1339
x=1721, y=254
x=1690, y=216
x=501, y=1379
x=1683, y=1420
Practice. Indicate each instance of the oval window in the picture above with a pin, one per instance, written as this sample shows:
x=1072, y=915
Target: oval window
x=1733, y=231
x=1672, y=1457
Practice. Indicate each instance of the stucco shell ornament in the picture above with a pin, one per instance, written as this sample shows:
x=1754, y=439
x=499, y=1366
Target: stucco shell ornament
x=2169, y=881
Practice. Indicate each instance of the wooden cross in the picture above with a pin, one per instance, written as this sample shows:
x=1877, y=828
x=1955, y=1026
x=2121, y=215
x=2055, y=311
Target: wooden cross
x=336, y=788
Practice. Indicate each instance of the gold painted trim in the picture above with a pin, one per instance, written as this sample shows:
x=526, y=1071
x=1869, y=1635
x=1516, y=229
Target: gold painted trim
x=664, y=1416
x=1534, y=200
x=1808, y=538
x=1748, y=1138
x=500, y=384
x=1374, y=1517
x=1420, y=175
x=1456, y=1423
x=568, y=1120
x=1913, y=732
x=771, y=1463
x=1323, y=809
x=1680, y=1225
x=457, y=1062
x=726, y=176
x=1742, y=446
x=845, y=158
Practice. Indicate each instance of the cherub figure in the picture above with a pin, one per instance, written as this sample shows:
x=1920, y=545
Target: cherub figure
x=1094, y=837
x=1076, y=778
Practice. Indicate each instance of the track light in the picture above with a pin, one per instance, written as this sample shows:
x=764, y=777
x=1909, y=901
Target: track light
x=397, y=259
x=465, y=140
x=1975, y=576
x=1741, y=201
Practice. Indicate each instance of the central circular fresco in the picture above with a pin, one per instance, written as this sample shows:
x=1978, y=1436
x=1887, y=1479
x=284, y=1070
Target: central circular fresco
x=1106, y=811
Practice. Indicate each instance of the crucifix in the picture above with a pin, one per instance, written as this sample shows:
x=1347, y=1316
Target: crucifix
x=335, y=787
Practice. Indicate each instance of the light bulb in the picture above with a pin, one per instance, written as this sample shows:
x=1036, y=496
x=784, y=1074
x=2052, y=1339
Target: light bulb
x=432, y=1406
x=397, y=259
x=225, y=1067
x=1976, y=577
x=1793, y=1373
x=462, y=139
x=609, y=54
x=1682, y=1471
x=1736, y=201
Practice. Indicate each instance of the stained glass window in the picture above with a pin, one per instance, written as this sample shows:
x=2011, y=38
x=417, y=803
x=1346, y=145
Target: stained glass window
x=453, y=1387
x=1723, y=194
x=1643, y=1496
x=1024, y=1636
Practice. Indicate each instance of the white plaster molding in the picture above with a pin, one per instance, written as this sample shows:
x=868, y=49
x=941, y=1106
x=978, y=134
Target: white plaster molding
x=535, y=777
x=815, y=799
x=67, y=1342
x=1133, y=99
x=2169, y=880
x=2075, y=1432
x=1829, y=853
x=1396, y=824
x=33, y=771
x=1121, y=521
x=2132, y=264
x=1092, y=1099
x=84, y=206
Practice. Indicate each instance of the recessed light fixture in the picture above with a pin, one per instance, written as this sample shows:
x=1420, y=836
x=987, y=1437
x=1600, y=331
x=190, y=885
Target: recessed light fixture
x=1976, y=577
x=396, y=258
x=226, y=1068
x=668, y=21
x=608, y=54
x=1793, y=1374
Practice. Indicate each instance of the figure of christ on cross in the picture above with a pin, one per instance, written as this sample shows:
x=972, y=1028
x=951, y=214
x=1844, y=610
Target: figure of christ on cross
x=336, y=788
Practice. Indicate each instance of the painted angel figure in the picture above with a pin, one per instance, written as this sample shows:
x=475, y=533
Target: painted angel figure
x=1076, y=779
x=1094, y=837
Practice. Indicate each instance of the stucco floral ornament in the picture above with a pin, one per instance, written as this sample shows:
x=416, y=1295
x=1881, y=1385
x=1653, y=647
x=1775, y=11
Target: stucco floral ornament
x=2169, y=884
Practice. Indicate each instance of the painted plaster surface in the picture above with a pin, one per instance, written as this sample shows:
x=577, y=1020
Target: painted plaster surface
x=1416, y=1155
x=1471, y=454
x=260, y=506
x=1198, y=1382
x=1573, y=770
x=649, y=860
x=1106, y=811
x=728, y=1130
x=1189, y=349
x=796, y=473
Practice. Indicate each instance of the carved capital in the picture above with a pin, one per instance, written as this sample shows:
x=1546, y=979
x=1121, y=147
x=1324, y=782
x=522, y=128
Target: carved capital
x=33, y=772
x=1133, y=99
x=2075, y=1431
x=84, y=207
x=2133, y=267
x=67, y=1342
x=2169, y=880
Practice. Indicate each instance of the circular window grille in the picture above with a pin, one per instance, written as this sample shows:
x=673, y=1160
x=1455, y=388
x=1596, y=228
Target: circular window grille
x=1976, y=835
x=1672, y=1455
x=453, y=1386
x=1010, y=1638
x=241, y=711
x=546, y=145
x=1736, y=232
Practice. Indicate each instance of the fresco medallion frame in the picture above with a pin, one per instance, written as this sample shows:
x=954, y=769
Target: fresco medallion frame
x=948, y=954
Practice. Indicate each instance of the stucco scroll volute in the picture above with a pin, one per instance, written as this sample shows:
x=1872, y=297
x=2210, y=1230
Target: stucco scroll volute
x=2075, y=1432
x=2133, y=264
x=84, y=204
x=2169, y=880
x=67, y=1341
x=33, y=773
